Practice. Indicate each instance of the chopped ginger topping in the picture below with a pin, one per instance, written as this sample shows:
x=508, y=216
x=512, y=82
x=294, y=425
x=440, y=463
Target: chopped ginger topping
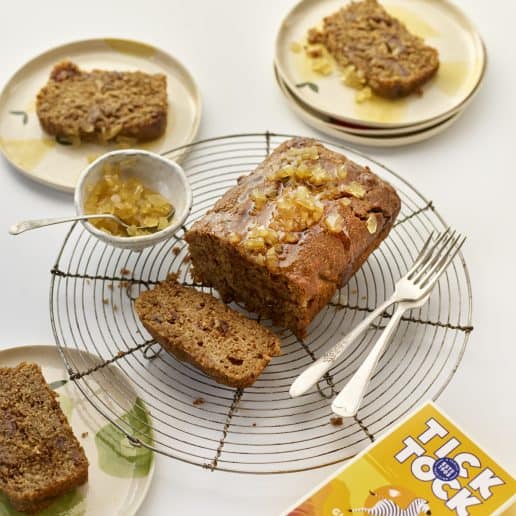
x=144, y=210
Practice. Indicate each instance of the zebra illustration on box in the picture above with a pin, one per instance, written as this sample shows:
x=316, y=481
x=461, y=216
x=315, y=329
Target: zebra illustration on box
x=389, y=508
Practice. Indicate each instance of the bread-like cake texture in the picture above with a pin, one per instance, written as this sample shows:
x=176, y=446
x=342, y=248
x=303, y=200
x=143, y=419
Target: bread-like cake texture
x=286, y=236
x=200, y=329
x=393, y=61
x=40, y=458
x=102, y=105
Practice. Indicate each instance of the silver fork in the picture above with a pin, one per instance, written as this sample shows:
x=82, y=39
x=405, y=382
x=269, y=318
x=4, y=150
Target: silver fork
x=432, y=260
x=350, y=398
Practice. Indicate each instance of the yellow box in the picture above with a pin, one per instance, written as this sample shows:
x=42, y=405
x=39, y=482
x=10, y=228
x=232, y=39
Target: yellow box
x=425, y=465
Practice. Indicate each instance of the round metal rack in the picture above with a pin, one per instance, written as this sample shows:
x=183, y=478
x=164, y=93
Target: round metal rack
x=259, y=429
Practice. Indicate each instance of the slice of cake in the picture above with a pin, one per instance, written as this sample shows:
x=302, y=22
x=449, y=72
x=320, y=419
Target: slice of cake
x=40, y=458
x=102, y=105
x=290, y=233
x=200, y=329
x=378, y=47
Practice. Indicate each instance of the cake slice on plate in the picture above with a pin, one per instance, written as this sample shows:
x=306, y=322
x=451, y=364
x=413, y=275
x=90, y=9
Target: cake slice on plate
x=40, y=458
x=101, y=105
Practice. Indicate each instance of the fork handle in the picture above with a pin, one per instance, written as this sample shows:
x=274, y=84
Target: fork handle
x=348, y=400
x=312, y=374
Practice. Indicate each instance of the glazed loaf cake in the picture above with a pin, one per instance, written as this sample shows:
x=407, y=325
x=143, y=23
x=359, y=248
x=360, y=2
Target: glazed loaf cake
x=200, y=329
x=287, y=235
x=40, y=458
x=102, y=105
x=392, y=61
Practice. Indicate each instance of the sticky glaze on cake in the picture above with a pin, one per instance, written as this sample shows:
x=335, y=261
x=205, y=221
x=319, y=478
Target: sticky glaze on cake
x=287, y=235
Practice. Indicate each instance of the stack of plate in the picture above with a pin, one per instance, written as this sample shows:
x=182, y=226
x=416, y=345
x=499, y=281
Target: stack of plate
x=328, y=105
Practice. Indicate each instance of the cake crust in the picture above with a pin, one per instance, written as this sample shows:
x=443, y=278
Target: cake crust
x=393, y=61
x=40, y=458
x=101, y=105
x=284, y=253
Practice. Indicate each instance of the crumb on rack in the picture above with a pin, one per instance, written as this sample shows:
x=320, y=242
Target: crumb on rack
x=172, y=276
x=115, y=308
x=105, y=301
x=254, y=424
x=187, y=259
x=176, y=250
x=120, y=354
x=124, y=284
x=125, y=272
x=336, y=420
x=84, y=435
x=198, y=401
x=110, y=287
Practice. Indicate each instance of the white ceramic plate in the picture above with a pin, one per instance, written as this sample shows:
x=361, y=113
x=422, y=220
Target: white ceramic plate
x=119, y=474
x=38, y=155
x=336, y=131
x=359, y=130
x=443, y=26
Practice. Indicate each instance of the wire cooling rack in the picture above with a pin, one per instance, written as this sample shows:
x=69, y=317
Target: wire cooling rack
x=259, y=429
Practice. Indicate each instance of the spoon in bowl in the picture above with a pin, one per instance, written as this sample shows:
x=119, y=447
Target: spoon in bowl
x=28, y=225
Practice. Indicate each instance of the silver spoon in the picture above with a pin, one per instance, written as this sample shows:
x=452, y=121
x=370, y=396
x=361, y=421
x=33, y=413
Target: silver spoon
x=28, y=225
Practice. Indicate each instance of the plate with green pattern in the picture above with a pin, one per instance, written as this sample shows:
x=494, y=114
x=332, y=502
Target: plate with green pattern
x=116, y=465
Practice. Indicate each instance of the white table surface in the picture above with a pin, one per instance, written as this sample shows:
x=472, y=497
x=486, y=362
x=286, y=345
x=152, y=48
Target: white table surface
x=469, y=171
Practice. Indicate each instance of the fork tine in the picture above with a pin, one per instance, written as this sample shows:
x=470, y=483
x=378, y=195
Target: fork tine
x=441, y=246
x=435, y=272
x=444, y=249
x=423, y=260
x=421, y=254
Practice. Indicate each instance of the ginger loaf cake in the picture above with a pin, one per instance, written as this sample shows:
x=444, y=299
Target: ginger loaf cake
x=286, y=236
x=378, y=47
x=200, y=329
x=102, y=106
x=40, y=458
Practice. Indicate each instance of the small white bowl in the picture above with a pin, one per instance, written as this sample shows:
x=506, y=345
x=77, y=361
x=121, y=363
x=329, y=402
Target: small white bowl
x=154, y=171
